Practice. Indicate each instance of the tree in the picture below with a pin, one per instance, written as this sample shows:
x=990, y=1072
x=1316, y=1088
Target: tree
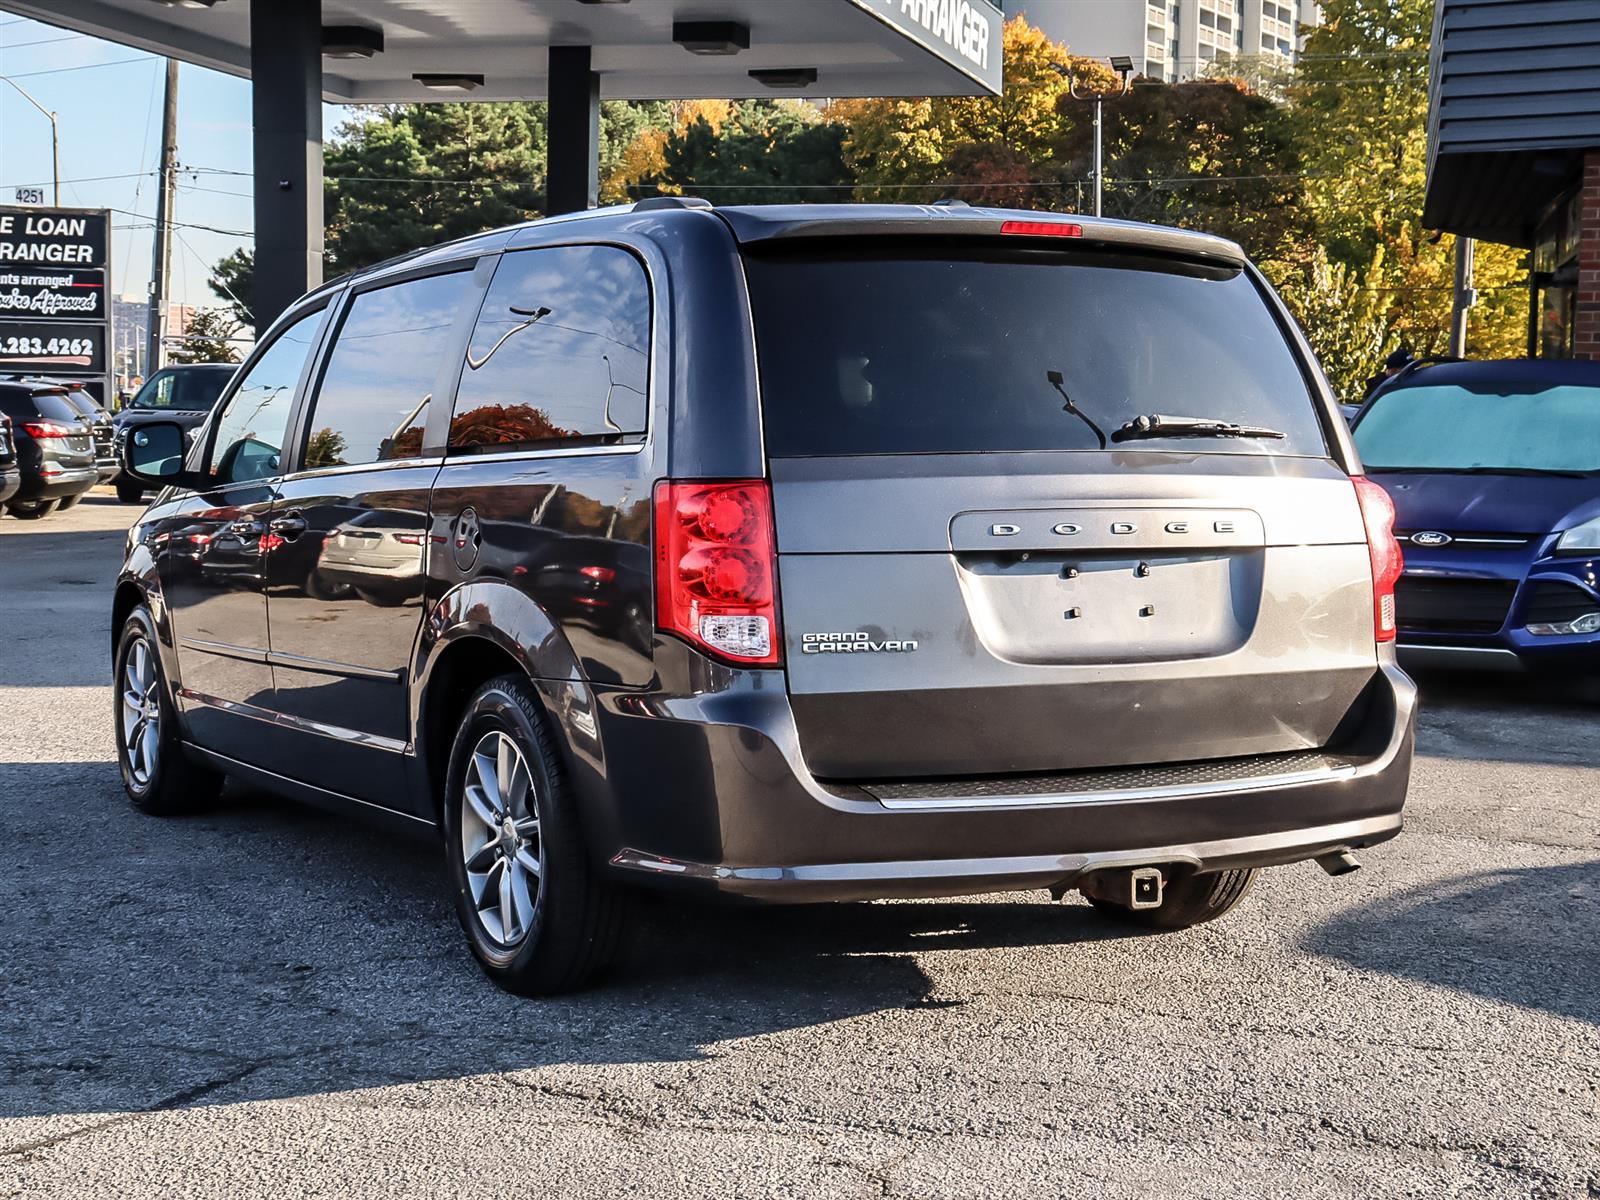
x=765, y=152
x=325, y=448
x=1209, y=154
x=208, y=338
x=909, y=150
x=1358, y=107
x=415, y=175
x=404, y=176
x=233, y=280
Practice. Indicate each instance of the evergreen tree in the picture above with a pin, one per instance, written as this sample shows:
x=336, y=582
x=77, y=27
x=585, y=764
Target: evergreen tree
x=207, y=338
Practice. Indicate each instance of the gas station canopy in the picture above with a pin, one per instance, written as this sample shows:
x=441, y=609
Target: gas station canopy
x=855, y=47
x=299, y=53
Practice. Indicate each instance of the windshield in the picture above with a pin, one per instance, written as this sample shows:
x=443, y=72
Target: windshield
x=188, y=390
x=944, y=350
x=1448, y=428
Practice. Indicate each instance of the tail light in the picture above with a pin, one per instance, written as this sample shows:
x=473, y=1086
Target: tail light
x=1377, y=510
x=598, y=574
x=716, y=568
x=40, y=430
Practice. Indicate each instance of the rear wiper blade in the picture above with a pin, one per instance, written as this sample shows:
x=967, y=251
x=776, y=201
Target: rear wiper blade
x=1158, y=426
x=1059, y=381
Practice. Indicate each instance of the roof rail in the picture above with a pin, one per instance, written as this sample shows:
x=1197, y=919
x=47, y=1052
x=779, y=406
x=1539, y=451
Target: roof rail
x=655, y=203
x=951, y=202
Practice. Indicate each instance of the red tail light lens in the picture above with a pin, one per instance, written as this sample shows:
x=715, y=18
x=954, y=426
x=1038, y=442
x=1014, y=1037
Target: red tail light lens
x=598, y=574
x=39, y=430
x=1040, y=229
x=1377, y=510
x=716, y=568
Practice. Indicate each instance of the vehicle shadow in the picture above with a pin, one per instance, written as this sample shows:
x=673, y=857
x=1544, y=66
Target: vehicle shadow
x=264, y=950
x=1504, y=718
x=1524, y=936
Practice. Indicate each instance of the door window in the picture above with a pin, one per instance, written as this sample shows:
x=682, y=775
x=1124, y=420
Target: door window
x=373, y=402
x=251, y=429
x=561, y=351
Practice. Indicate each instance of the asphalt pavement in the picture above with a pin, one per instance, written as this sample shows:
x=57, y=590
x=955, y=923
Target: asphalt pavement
x=267, y=1001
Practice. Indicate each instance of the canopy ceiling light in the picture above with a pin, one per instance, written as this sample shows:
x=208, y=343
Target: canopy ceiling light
x=785, y=77
x=450, y=82
x=711, y=37
x=351, y=41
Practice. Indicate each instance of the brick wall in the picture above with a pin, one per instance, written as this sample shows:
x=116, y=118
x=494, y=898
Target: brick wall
x=1586, y=322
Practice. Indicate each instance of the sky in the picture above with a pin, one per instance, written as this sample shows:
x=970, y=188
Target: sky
x=107, y=100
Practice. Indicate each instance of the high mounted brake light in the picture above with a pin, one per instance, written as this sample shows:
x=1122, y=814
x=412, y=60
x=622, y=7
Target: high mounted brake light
x=1377, y=511
x=1040, y=229
x=717, y=567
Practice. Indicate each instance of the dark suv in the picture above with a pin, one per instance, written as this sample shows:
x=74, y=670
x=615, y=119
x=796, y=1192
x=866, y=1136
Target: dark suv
x=184, y=394
x=54, y=448
x=793, y=553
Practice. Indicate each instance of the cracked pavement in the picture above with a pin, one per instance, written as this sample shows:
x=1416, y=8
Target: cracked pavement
x=265, y=1000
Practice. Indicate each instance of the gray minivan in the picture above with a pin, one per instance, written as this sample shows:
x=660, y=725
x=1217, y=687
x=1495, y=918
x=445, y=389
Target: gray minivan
x=792, y=553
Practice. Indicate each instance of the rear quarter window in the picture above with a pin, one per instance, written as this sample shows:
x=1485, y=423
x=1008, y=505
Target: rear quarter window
x=950, y=350
x=50, y=406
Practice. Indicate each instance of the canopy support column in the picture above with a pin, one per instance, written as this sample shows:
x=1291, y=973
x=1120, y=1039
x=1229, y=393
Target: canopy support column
x=573, y=182
x=286, y=104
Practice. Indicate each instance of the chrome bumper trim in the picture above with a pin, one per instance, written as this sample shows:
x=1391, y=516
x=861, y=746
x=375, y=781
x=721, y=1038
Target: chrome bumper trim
x=1287, y=846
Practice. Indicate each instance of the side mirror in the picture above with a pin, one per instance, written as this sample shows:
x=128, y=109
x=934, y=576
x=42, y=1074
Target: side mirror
x=153, y=454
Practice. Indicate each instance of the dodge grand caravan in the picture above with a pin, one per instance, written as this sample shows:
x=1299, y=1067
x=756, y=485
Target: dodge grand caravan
x=790, y=553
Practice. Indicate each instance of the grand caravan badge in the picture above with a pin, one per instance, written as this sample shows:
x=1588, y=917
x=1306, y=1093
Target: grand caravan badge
x=852, y=643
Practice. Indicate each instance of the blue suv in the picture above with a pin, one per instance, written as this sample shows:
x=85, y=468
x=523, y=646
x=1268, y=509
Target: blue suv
x=1494, y=468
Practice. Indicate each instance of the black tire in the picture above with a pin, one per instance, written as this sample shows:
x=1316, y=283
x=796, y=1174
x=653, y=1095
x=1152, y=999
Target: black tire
x=31, y=510
x=174, y=784
x=1189, y=900
x=67, y=502
x=130, y=493
x=577, y=917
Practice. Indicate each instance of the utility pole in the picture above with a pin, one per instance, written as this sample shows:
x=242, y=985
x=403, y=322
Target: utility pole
x=1465, y=296
x=161, y=267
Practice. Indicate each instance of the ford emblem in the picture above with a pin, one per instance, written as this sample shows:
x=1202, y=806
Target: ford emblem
x=1431, y=537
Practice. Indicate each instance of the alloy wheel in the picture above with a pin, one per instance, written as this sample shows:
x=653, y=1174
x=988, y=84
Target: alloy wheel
x=500, y=840
x=141, y=712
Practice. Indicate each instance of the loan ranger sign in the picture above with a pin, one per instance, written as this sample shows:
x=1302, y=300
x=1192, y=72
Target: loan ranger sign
x=54, y=293
x=965, y=33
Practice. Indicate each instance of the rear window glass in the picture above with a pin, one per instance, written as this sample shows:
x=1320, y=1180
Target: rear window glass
x=1448, y=428
x=51, y=406
x=949, y=351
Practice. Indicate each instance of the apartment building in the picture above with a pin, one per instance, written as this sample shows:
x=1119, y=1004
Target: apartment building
x=1175, y=39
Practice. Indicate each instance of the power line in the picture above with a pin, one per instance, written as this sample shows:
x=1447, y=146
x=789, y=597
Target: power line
x=41, y=42
x=116, y=62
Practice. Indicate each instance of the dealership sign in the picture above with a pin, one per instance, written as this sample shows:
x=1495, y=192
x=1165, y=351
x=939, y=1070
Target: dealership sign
x=965, y=33
x=54, y=292
x=25, y=292
x=52, y=347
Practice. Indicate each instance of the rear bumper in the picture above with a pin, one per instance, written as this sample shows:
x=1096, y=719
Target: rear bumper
x=971, y=876
x=10, y=481
x=73, y=482
x=712, y=794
